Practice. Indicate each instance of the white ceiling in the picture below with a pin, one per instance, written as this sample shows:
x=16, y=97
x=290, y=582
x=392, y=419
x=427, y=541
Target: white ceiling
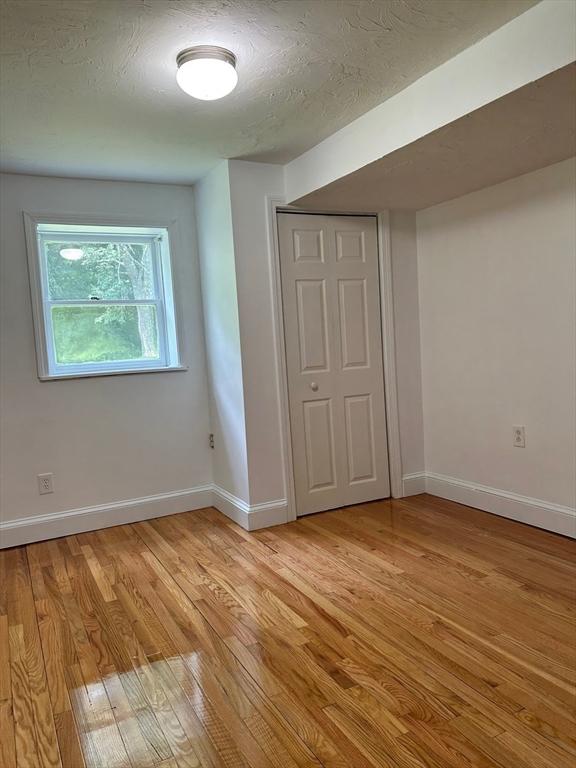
x=527, y=129
x=89, y=85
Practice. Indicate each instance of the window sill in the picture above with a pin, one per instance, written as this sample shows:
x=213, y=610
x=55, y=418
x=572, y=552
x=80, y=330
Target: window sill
x=128, y=372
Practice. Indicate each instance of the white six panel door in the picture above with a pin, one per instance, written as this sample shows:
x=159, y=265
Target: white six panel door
x=331, y=300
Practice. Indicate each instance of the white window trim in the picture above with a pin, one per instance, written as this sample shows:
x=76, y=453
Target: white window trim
x=166, y=301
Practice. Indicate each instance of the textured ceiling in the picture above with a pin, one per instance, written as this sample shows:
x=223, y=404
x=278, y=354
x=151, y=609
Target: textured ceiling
x=527, y=129
x=89, y=85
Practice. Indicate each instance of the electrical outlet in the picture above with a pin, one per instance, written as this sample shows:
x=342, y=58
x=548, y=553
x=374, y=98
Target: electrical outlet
x=211, y=440
x=519, y=440
x=45, y=484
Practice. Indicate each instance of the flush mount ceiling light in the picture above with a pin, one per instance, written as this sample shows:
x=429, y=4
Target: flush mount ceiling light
x=206, y=72
x=72, y=254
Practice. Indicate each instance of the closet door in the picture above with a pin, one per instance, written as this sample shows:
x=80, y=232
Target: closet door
x=332, y=325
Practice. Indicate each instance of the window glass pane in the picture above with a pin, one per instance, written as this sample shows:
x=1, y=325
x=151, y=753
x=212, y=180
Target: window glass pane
x=105, y=334
x=78, y=270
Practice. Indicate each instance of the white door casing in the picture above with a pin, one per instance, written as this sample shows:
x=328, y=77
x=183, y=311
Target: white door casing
x=332, y=324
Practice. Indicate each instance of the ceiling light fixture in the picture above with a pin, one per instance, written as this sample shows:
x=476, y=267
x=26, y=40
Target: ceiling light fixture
x=72, y=254
x=206, y=72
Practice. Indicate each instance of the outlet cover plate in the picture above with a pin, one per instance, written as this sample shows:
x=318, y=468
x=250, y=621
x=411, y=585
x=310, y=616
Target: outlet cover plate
x=519, y=439
x=45, y=483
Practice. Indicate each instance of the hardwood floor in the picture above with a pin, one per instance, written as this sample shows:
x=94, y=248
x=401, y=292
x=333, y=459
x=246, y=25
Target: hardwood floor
x=405, y=634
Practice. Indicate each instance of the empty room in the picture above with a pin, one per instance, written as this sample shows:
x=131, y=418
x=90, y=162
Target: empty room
x=288, y=384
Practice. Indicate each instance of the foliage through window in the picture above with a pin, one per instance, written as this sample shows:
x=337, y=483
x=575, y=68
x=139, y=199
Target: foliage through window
x=106, y=299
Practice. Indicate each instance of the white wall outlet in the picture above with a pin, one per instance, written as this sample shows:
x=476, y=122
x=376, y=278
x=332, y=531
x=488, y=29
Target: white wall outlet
x=519, y=440
x=45, y=483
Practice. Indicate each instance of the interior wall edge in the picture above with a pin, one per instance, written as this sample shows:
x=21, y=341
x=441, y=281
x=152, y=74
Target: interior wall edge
x=496, y=275
x=103, y=437
x=250, y=516
x=525, y=509
x=413, y=483
x=540, y=513
x=26, y=530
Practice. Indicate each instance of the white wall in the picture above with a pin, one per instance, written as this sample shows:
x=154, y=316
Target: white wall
x=250, y=185
x=219, y=293
x=497, y=278
x=106, y=439
x=505, y=60
x=404, y=258
x=485, y=336
x=237, y=288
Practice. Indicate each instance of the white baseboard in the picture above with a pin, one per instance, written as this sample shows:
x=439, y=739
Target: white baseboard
x=542, y=514
x=25, y=530
x=525, y=509
x=413, y=484
x=53, y=525
x=267, y=514
x=250, y=516
x=231, y=506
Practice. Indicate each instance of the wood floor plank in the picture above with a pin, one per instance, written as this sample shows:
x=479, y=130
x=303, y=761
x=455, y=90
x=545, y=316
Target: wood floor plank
x=412, y=634
x=7, y=740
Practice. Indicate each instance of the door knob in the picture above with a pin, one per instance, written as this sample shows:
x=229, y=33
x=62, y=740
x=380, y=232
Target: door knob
x=313, y=386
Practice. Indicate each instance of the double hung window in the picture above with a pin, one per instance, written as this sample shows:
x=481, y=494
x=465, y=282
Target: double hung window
x=103, y=299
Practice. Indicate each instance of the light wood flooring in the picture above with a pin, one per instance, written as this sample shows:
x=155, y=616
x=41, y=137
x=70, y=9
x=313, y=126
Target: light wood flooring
x=404, y=634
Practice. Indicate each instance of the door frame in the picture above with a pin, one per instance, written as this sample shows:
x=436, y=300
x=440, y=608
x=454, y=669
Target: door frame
x=274, y=205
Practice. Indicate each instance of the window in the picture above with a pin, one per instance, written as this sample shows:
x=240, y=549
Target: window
x=102, y=298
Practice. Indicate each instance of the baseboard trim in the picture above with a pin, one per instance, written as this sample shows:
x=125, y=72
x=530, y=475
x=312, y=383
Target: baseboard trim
x=25, y=530
x=413, y=484
x=267, y=514
x=231, y=506
x=250, y=516
x=542, y=514
x=525, y=509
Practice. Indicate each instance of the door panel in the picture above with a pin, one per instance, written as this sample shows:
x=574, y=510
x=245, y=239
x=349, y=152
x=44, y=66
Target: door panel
x=359, y=438
x=308, y=245
x=312, y=325
x=353, y=323
x=331, y=300
x=350, y=246
x=319, y=435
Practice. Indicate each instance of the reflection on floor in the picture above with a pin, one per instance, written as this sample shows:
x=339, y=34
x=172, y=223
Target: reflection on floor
x=416, y=633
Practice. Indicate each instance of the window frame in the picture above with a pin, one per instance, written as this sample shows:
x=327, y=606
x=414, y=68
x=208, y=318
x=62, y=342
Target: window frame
x=162, y=237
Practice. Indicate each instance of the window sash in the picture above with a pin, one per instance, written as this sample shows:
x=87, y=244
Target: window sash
x=101, y=302
x=73, y=237
x=158, y=300
x=65, y=236
x=128, y=364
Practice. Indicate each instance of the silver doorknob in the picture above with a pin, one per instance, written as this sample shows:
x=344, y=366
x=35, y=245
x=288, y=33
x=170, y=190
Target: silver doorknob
x=313, y=386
